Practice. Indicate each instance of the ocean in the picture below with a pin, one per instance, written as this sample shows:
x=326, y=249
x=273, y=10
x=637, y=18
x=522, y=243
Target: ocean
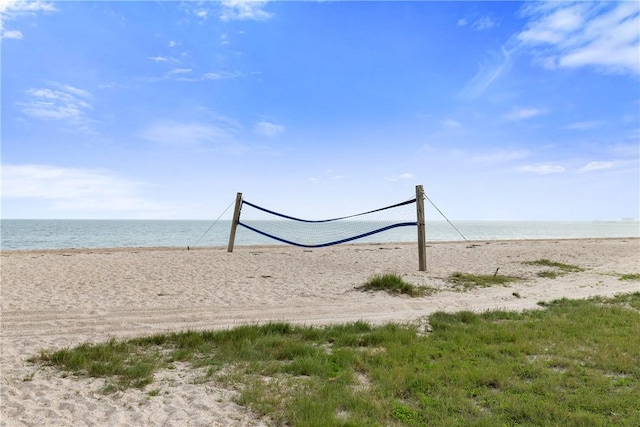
x=64, y=234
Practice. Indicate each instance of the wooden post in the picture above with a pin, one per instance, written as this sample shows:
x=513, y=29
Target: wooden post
x=234, y=223
x=422, y=239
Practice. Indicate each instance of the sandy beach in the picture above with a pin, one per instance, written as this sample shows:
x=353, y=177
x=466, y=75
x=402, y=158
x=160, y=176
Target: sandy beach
x=60, y=298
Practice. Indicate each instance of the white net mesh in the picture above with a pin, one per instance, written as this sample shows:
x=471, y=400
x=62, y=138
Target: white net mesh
x=318, y=233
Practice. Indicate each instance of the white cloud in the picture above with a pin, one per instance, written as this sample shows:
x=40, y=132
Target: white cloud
x=483, y=23
x=12, y=34
x=402, y=176
x=180, y=71
x=61, y=102
x=501, y=156
x=75, y=189
x=596, y=166
x=193, y=134
x=518, y=113
x=330, y=175
x=490, y=71
x=452, y=124
x=12, y=9
x=586, y=125
x=220, y=75
x=159, y=58
x=268, y=129
x=173, y=43
x=571, y=35
x=240, y=10
x=542, y=169
x=462, y=22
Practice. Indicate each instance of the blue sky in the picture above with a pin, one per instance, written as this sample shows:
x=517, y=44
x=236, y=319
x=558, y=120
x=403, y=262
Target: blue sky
x=502, y=110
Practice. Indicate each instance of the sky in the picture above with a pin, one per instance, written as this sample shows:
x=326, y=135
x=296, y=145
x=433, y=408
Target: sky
x=165, y=110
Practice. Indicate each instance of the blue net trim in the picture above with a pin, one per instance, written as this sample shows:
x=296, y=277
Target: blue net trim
x=328, y=220
x=336, y=242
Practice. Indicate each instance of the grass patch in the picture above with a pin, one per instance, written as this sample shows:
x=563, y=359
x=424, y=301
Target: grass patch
x=394, y=284
x=575, y=362
x=462, y=281
x=630, y=277
x=559, y=268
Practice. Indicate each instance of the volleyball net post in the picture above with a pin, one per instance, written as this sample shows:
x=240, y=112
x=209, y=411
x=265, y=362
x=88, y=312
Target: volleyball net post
x=422, y=234
x=234, y=223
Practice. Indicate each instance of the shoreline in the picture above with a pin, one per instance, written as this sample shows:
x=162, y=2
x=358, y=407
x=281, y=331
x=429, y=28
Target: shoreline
x=282, y=245
x=64, y=297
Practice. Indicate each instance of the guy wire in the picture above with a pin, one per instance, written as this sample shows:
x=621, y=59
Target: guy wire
x=445, y=217
x=211, y=226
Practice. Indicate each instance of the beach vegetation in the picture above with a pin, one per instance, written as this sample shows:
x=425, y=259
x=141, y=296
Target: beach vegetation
x=571, y=362
x=465, y=282
x=558, y=268
x=630, y=277
x=394, y=284
x=548, y=274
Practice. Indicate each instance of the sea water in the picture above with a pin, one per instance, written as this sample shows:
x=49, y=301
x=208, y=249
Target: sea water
x=65, y=234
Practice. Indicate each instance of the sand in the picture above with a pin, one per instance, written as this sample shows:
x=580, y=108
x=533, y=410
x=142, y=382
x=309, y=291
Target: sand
x=56, y=299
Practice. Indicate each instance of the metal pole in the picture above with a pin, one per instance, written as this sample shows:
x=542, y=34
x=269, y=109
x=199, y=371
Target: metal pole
x=422, y=239
x=234, y=223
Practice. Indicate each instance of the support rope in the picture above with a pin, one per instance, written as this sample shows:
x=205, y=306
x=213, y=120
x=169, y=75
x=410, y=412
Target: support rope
x=211, y=226
x=444, y=216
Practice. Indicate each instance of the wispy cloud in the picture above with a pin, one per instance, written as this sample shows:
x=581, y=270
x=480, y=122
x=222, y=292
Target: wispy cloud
x=187, y=75
x=268, y=129
x=480, y=24
x=401, y=177
x=451, y=124
x=74, y=189
x=542, y=169
x=519, y=113
x=561, y=34
x=59, y=102
x=483, y=23
x=12, y=34
x=595, y=166
x=244, y=10
x=488, y=73
x=329, y=175
x=571, y=35
x=12, y=9
x=586, y=125
x=180, y=71
x=221, y=75
x=500, y=156
x=190, y=134
x=159, y=58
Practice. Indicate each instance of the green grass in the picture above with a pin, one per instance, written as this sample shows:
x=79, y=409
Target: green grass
x=574, y=362
x=393, y=284
x=630, y=277
x=559, y=268
x=462, y=281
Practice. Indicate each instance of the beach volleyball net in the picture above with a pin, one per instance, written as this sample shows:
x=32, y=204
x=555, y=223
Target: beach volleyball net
x=325, y=232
